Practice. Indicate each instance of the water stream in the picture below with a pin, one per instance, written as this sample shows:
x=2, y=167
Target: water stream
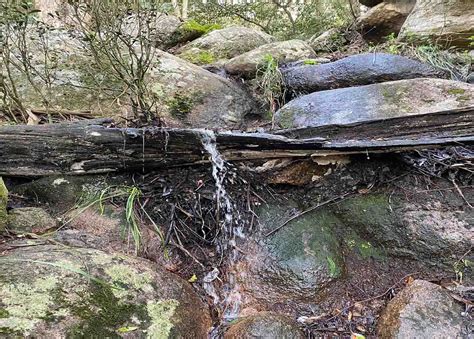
x=229, y=299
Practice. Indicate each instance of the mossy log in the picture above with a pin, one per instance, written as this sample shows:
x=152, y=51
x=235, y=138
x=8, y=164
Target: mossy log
x=96, y=146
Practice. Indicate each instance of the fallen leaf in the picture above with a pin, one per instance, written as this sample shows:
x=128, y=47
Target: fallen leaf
x=194, y=278
x=127, y=329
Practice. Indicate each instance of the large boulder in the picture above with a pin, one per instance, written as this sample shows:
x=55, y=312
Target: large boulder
x=284, y=51
x=375, y=102
x=57, y=291
x=298, y=260
x=355, y=70
x=443, y=21
x=422, y=310
x=225, y=43
x=264, y=326
x=428, y=230
x=384, y=19
x=184, y=94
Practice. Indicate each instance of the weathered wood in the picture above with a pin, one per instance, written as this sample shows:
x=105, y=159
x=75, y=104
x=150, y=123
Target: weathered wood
x=98, y=147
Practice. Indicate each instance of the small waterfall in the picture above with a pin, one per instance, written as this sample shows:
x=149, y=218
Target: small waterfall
x=230, y=302
x=219, y=171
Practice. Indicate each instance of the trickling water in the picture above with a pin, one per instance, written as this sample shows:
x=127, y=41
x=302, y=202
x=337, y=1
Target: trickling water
x=219, y=171
x=230, y=302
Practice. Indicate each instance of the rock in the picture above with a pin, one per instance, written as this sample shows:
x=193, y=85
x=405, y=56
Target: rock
x=372, y=102
x=470, y=78
x=429, y=230
x=450, y=22
x=306, y=62
x=30, y=220
x=185, y=94
x=163, y=27
x=61, y=193
x=300, y=259
x=79, y=292
x=224, y=43
x=370, y=3
x=265, y=326
x=196, y=97
x=355, y=70
x=3, y=205
x=329, y=41
x=188, y=31
x=384, y=19
x=284, y=51
x=422, y=310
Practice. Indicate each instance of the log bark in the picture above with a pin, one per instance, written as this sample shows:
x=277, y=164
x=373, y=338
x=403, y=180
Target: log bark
x=98, y=147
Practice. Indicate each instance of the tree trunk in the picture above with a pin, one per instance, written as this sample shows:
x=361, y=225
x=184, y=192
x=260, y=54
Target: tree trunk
x=98, y=147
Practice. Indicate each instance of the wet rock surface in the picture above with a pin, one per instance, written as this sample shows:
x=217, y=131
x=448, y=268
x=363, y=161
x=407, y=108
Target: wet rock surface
x=224, y=43
x=423, y=310
x=283, y=51
x=373, y=102
x=89, y=293
x=264, y=325
x=355, y=70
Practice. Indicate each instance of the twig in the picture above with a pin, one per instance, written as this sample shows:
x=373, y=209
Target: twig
x=336, y=199
x=461, y=194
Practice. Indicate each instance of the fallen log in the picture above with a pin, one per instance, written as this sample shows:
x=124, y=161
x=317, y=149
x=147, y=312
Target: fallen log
x=95, y=146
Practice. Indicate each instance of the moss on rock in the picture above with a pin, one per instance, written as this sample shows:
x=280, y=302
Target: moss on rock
x=77, y=292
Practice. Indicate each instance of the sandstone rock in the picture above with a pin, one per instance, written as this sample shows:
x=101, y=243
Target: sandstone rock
x=185, y=94
x=3, y=205
x=30, y=220
x=422, y=310
x=422, y=230
x=298, y=260
x=373, y=102
x=443, y=21
x=285, y=51
x=265, y=326
x=329, y=41
x=383, y=19
x=56, y=292
x=163, y=26
x=355, y=70
x=224, y=43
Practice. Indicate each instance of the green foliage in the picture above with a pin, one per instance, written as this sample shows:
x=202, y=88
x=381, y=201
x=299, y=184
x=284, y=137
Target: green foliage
x=285, y=20
x=310, y=62
x=180, y=106
x=194, y=26
x=269, y=84
x=393, y=46
x=200, y=58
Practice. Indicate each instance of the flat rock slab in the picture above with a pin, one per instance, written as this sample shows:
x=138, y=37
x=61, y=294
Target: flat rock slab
x=355, y=70
x=422, y=310
x=382, y=101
